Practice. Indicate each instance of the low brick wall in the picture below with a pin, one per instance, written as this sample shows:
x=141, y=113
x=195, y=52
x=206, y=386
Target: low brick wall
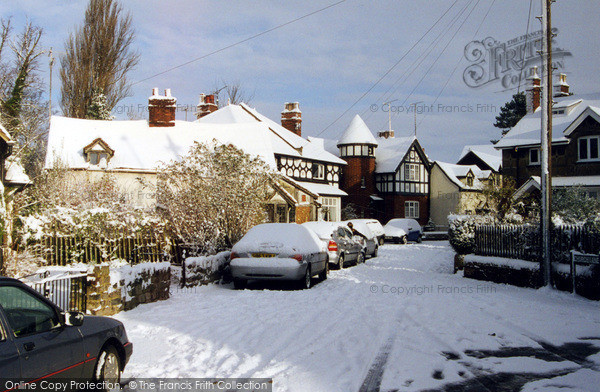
x=113, y=288
x=204, y=269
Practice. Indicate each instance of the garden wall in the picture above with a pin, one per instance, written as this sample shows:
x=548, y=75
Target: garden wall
x=120, y=286
x=204, y=269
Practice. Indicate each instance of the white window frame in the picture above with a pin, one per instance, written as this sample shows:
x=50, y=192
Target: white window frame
x=532, y=162
x=332, y=205
x=411, y=209
x=320, y=171
x=411, y=172
x=588, y=149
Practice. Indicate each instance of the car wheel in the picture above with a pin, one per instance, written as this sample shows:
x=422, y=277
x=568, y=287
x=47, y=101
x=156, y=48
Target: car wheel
x=108, y=366
x=323, y=274
x=341, y=262
x=361, y=258
x=306, y=281
x=420, y=239
x=239, y=284
x=381, y=241
x=404, y=240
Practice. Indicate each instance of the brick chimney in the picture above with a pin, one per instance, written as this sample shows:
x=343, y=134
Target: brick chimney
x=561, y=89
x=386, y=134
x=532, y=95
x=206, y=105
x=161, y=109
x=291, y=118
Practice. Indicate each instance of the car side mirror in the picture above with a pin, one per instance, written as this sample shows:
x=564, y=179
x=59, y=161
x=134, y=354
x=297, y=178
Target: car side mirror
x=73, y=318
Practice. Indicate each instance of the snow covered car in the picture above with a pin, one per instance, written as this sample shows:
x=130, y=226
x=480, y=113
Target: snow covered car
x=341, y=246
x=402, y=230
x=279, y=251
x=40, y=341
x=371, y=241
x=376, y=228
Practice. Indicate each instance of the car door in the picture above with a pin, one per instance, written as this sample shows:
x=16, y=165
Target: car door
x=9, y=355
x=354, y=246
x=46, y=347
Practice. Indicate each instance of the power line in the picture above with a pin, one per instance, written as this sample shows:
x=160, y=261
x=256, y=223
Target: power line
x=441, y=53
x=385, y=97
x=459, y=60
x=526, y=39
x=388, y=71
x=240, y=42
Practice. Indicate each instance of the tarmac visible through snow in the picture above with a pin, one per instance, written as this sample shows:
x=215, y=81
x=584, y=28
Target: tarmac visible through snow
x=400, y=322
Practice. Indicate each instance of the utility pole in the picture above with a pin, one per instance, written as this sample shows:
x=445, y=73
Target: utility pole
x=546, y=141
x=50, y=93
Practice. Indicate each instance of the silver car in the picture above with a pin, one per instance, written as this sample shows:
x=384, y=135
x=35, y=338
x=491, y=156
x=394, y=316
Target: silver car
x=279, y=251
x=342, y=247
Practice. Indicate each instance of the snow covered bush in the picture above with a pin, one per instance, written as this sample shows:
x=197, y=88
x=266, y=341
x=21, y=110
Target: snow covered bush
x=213, y=195
x=205, y=269
x=461, y=231
x=574, y=205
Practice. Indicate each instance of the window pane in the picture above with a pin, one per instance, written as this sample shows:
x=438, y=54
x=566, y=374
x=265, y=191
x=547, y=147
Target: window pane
x=26, y=314
x=93, y=158
x=583, y=149
x=594, y=148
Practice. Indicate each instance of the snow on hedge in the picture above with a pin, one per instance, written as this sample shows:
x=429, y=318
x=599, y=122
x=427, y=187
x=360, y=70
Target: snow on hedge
x=502, y=261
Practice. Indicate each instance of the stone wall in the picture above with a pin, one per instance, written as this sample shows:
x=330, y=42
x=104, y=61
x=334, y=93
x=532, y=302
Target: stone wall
x=114, y=288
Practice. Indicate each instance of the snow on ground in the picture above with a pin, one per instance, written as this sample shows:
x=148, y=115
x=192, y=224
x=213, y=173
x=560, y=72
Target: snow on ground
x=402, y=319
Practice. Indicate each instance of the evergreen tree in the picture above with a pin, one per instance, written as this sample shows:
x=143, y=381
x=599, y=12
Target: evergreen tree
x=98, y=109
x=511, y=113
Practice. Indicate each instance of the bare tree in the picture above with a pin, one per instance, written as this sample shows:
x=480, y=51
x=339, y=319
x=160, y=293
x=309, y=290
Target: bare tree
x=22, y=109
x=97, y=58
x=235, y=93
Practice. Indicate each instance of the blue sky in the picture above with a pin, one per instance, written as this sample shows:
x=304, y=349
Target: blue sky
x=330, y=59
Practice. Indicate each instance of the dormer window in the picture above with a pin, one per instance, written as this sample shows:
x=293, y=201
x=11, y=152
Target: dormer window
x=469, y=180
x=98, y=153
x=534, y=156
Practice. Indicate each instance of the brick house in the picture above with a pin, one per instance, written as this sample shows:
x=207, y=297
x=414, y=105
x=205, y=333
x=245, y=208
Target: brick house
x=385, y=177
x=575, y=138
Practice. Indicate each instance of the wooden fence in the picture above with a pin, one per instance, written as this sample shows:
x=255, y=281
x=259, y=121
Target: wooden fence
x=63, y=250
x=524, y=241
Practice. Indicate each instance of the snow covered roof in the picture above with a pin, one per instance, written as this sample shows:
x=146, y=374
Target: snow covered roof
x=486, y=152
x=137, y=146
x=534, y=182
x=527, y=131
x=454, y=172
x=15, y=173
x=284, y=141
x=390, y=152
x=5, y=135
x=322, y=189
x=357, y=133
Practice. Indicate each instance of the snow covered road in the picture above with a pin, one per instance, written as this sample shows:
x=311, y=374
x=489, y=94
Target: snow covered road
x=402, y=321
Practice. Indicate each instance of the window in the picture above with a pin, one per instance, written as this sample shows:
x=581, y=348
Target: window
x=318, y=171
x=371, y=151
x=365, y=150
x=385, y=183
x=411, y=172
x=470, y=181
x=98, y=153
x=588, y=148
x=534, y=156
x=411, y=209
x=25, y=312
x=363, y=184
x=331, y=209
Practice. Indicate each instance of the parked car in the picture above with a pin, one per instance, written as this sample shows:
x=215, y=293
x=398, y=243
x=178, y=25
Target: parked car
x=342, y=248
x=376, y=228
x=38, y=340
x=402, y=230
x=372, y=243
x=279, y=251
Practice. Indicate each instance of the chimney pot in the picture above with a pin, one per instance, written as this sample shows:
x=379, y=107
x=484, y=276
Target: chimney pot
x=533, y=94
x=561, y=89
x=206, y=105
x=291, y=118
x=161, y=110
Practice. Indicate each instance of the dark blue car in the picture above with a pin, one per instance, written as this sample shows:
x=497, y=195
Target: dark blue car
x=39, y=341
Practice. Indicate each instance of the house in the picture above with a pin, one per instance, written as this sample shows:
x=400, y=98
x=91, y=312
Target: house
x=386, y=177
x=457, y=189
x=575, y=138
x=484, y=156
x=132, y=151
